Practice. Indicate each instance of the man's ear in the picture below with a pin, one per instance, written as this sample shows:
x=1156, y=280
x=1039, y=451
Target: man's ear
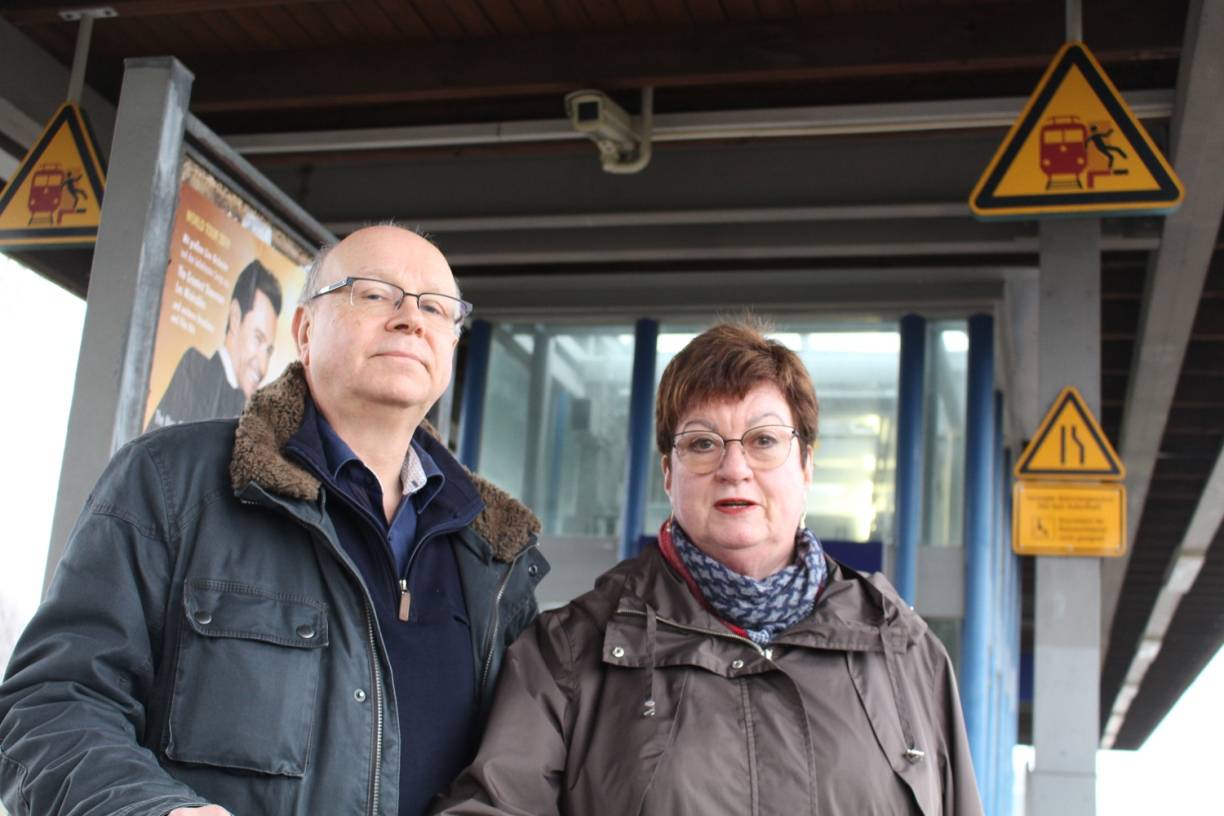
x=301, y=333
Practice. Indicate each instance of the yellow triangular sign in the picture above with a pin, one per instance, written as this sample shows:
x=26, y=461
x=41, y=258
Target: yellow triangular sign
x=55, y=197
x=1070, y=444
x=1076, y=148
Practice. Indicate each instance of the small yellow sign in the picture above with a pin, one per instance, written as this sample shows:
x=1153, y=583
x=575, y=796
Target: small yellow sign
x=1070, y=444
x=1076, y=148
x=1058, y=518
x=55, y=197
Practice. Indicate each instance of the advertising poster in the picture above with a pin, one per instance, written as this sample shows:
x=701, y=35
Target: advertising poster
x=231, y=286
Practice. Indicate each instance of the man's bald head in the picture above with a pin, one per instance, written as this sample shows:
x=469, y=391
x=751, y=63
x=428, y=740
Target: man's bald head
x=317, y=277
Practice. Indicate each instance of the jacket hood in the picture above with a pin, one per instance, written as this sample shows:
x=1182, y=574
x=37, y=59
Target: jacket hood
x=853, y=601
x=273, y=415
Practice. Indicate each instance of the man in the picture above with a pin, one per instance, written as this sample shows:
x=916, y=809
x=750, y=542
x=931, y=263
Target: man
x=300, y=612
x=218, y=387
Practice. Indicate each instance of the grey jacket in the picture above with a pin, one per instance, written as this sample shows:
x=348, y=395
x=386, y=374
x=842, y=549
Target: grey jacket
x=635, y=700
x=206, y=638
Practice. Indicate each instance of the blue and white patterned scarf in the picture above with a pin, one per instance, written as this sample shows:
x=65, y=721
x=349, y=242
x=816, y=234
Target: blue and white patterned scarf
x=761, y=608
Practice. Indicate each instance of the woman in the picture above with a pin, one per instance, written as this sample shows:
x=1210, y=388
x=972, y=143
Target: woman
x=736, y=669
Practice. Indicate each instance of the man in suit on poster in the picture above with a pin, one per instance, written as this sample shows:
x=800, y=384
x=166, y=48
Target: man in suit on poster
x=217, y=387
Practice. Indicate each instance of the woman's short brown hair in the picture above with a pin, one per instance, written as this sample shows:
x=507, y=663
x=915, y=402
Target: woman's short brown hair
x=725, y=362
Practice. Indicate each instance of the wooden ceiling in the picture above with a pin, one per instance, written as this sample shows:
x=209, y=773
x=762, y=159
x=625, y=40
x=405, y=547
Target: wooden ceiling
x=276, y=65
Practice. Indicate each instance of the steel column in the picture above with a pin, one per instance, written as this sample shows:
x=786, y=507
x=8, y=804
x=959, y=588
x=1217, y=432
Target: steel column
x=979, y=499
x=560, y=411
x=910, y=408
x=129, y=265
x=641, y=431
x=537, y=400
x=475, y=384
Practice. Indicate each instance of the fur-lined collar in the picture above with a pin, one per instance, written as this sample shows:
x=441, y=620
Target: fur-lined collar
x=274, y=414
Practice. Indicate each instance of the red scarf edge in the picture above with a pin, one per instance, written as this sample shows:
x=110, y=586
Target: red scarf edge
x=667, y=549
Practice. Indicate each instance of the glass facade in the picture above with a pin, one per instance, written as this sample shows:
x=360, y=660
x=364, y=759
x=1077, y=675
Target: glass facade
x=854, y=369
x=556, y=422
x=943, y=510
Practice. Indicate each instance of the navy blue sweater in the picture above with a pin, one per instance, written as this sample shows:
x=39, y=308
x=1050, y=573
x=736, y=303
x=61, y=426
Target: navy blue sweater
x=432, y=672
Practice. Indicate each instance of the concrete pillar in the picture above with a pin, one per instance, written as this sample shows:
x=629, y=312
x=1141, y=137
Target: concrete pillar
x=125, y=282
x=1067, y=635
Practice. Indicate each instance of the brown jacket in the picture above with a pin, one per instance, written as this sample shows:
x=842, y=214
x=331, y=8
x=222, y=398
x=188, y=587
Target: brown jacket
x=854, y=710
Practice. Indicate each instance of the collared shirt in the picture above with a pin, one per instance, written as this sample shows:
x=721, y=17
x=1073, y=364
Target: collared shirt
x=421, y=478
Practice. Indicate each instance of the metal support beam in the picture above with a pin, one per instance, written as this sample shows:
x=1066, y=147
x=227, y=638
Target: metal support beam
x=641, y=427
x=979, y=539
x=765, y=123
x=475, y=384
x=1067, y=617
x=125, y=284
x=1010, y=640
x=555, y=474
x=80, y=58
x=999, y=657
x=1178, y=270
x=1075, y=21
x=911, y=402
x=537, y=400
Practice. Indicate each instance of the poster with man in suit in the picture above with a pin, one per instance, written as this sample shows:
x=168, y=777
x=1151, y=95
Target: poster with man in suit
x=227, y=302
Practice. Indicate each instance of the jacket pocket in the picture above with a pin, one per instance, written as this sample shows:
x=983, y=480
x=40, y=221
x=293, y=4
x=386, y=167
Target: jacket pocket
x=246, y=678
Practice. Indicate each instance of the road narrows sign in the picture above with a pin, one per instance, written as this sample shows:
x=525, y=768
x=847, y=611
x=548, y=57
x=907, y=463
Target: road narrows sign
x=1076, y=149
x=1068, y=498
x=1069, y=444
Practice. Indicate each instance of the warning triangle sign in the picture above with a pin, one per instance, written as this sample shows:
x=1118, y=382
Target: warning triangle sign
x=1070, y=444
x=1075, y=149
x=55, y=197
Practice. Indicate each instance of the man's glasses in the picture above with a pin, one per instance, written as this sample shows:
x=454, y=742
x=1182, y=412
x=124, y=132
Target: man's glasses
x=381, y=299
x=765, y=448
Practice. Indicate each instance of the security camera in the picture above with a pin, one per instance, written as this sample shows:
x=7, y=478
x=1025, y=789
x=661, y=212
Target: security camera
x=623, y=142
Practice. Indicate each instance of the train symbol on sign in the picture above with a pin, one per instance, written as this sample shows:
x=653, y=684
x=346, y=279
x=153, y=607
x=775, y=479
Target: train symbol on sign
x=54, y=193
x=1075, y=148
x=1069, y=149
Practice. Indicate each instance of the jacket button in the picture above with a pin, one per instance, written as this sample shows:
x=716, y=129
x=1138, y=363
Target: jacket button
x=737, y=664
x=618, y=652
x=202, y=617
x=306, y=631
x=533, y=570
x=359, y=696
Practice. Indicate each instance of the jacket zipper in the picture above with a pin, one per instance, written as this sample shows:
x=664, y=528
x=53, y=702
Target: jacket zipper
x=495, y=622
x=400, y=585
x=376, y=672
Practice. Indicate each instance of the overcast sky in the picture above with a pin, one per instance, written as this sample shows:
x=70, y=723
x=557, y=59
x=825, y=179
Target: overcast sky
x=40, y=331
